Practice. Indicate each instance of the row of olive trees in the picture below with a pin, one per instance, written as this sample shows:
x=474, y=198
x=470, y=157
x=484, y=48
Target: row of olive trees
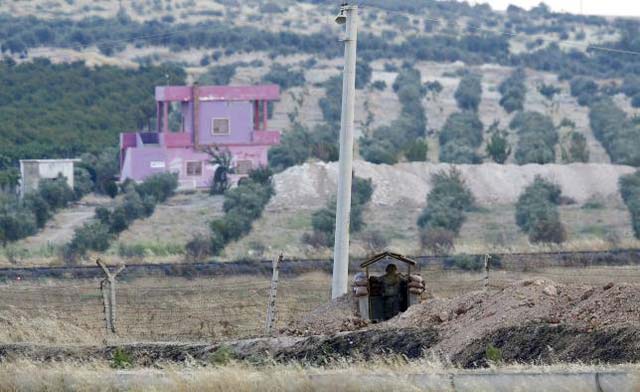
x=323, y=221
x=405, y=136
x=20, y=218
x=138, y=202
x=450, y=200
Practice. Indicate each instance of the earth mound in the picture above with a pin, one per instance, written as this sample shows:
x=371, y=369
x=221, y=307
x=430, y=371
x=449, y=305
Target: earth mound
x=476, y=314
x=466, y=324
x=338, y=315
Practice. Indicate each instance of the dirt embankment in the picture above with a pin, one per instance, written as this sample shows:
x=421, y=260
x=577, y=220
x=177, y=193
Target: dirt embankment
x=311, y=184
x=474, y=315
x=558, y=322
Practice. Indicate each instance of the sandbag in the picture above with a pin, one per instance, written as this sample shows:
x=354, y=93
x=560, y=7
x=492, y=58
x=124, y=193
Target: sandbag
x=415, y=290
x=417, y=285
x=416, y=278
x=360, y=279
x=360, y=291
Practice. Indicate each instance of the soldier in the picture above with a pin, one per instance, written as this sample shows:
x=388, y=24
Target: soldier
x=391, y=288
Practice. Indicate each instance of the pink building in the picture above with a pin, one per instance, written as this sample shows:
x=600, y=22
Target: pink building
x=231, y=117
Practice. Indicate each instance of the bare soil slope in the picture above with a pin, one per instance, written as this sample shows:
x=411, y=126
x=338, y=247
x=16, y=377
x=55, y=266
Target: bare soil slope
x=567, y=316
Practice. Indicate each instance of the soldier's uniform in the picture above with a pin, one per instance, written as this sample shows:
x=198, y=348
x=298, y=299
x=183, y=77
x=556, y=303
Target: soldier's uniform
x=391, y=288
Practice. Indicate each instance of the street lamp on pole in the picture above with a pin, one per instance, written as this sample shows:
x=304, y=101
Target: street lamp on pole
x=348, y=16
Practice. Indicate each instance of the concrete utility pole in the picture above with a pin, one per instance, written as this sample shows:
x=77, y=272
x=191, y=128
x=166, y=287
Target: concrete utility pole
x=348, y=16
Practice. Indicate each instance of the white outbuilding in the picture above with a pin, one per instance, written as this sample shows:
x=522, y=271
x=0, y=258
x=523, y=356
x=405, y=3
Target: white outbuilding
x=34, y=170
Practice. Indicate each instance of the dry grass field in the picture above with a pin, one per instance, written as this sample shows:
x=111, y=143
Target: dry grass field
x=384, y=374
x=154, y=309
x=215, y=308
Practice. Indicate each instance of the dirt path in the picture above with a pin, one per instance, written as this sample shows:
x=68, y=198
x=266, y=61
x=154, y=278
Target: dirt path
x=60, y=228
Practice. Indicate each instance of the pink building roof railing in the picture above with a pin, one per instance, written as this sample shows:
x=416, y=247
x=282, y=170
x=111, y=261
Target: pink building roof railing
x=176, y=139
x=270, y=92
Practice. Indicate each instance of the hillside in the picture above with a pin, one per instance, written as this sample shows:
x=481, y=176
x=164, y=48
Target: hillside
x=442, y=40
x=399, y=195
x=439, y=83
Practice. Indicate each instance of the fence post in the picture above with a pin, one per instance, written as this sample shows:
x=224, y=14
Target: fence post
x=486, y=271
x=271, y=307
x=104, y=286
x=109, y=300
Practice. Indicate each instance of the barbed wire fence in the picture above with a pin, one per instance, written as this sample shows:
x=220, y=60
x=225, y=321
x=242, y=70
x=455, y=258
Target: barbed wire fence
x=206, y=308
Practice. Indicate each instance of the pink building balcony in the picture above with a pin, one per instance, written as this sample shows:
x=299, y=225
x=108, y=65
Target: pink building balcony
x=266, y=137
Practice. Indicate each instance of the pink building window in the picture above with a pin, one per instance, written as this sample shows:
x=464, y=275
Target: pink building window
x=194, y=169
x=244, y=166
x=220, y=126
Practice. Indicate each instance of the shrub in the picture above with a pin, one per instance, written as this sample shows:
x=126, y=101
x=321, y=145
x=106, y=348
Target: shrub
x=119, y=220
x=284, y=76
x=379, y=85
x=222, y=356
x=161, y=186
x=138, y=202
x=469, y=92
x=375, y=241
x=198, y=248
x=249, y=197
x=131, y=251
x=121, y=360
x=548, y=90
x=459, y=138
x=102, y=169
x=16, y=222
x=447, y=202
x=619, y=135
x=82, y=183
x=513, y=91
x=92, y=236
x=323, y=221
x=262, y=175
x=493, y=354
x=585, y=89
x=417, y=151
x=242, y=205
x=577, y=150
x=594, y=203
x=39, y=207
x=437, y=241
x=219, y=75
x=387, y=143
x=110, y=188
x=537, y=212
x=103, y=215
x=363, y=74
x=630, y=192
x=299, y=144
x=549, y=229
x=378, y=151
x=56, y=192
x=148, y=205
x=434, y=87
x=316, y=239
x=498, y=147
x=271, y=8
x=537, y=137
x=465, y=262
